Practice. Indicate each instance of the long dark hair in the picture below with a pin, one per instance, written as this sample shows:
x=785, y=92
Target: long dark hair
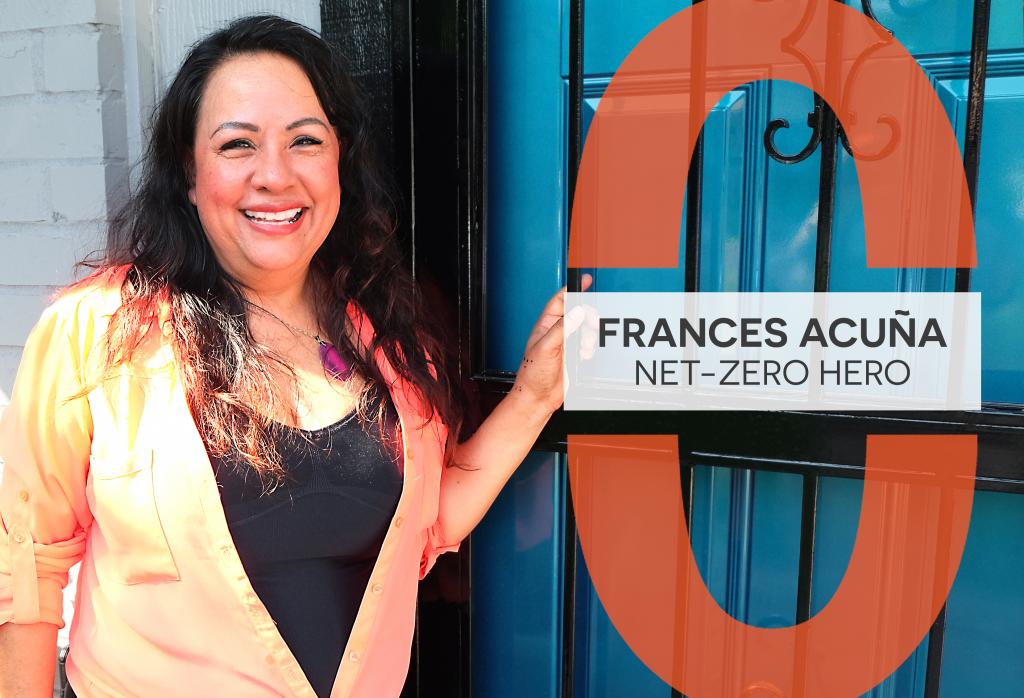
x=157, y=242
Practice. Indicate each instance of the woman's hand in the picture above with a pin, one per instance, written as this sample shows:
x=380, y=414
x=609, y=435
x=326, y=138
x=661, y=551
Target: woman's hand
x=541, y=375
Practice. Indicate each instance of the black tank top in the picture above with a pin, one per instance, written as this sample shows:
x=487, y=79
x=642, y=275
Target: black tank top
x=309, y=546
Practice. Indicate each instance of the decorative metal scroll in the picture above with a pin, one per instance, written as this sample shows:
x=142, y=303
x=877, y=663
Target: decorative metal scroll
x=816, y=116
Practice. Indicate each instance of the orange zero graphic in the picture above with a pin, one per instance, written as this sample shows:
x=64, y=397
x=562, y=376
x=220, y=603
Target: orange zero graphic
x=627, y=208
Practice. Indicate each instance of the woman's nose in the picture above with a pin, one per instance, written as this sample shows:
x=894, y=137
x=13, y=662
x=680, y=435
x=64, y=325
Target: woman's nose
x=273, y=170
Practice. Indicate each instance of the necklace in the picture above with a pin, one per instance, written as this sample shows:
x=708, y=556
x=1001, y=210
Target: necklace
x=290, y=326
x=330, y=358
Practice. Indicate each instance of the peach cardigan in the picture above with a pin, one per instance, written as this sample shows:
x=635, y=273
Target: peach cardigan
x=120, y=480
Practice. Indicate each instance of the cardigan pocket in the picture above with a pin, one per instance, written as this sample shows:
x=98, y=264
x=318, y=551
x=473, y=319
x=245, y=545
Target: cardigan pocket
x=128, y=536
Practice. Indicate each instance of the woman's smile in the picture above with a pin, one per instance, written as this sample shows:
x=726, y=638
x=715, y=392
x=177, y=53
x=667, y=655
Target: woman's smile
x=275, y=220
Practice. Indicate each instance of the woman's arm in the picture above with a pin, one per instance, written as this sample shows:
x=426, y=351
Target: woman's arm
x=504, y=439
x=28, y=659
x=45, y=440
x=494, y=452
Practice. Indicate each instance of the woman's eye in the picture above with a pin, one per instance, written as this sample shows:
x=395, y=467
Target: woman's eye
x=307, y=140
x=237, y=144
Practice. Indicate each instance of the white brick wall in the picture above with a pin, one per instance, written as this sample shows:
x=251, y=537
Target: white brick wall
x=38, y=14
x=77, y=83
x=62, y=151
x=180, y=24
x=84, y=60
x=16, y=73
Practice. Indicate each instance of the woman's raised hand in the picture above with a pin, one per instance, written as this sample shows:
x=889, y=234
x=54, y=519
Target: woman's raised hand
x=541, y=374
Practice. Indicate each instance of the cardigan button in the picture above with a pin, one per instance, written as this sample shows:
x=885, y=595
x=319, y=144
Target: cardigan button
x=378, y=588
x=23, y=495
x=353, y=656
x=19, y=537
x=398, y=521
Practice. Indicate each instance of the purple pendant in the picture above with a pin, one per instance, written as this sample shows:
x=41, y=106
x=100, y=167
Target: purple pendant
x=333, y=361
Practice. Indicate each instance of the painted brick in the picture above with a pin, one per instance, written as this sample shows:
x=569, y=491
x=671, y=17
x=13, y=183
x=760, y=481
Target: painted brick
x=22, y=308
x=79, y=192
x=40, y=258
x=24, y=194
x=76, y=60
x=115, y=128
x=41, y=131
x=16, y=65
x=36, y=14
x=10, y=357
x=180, y=24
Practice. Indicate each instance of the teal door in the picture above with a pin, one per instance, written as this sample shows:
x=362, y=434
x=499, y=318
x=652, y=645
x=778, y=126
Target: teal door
x=773, y=498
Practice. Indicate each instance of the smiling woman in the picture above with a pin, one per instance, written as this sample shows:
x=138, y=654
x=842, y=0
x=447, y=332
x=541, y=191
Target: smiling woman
x=243, y=423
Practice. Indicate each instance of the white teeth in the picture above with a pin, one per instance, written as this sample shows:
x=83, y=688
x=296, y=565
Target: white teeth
x=288, y=216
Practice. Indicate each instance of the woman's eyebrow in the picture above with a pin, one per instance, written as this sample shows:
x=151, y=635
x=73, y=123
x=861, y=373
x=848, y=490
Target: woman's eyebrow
x=307, y=121
x=244, y=125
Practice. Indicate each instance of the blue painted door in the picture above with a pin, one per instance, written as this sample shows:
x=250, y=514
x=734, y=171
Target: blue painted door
x=757, y=233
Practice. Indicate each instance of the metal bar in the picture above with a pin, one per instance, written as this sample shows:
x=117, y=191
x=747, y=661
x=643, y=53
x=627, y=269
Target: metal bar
x=933, y=671
x=826, y=198
x=807, y=439
x=682, y=572
x=694, y=194
x=694, y=210
x=808, y=519
x=936, y=636
x=808, y=515
x=472, y=305
x=695, y=175
x=962, y=280
x=975, y=111
x=822, y=268
x=575, y=278
x=686, y=464
x=829, y=152
x=569, y=596
x=691, y=260
x=574, y=283
x=472, y=79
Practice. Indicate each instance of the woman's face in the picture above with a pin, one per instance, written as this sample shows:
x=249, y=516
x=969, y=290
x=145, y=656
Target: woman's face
x=265, y=170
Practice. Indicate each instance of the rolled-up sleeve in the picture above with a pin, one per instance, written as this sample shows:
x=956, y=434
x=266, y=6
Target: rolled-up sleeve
x=434, y=548
x=45, y=437
x=436, y=542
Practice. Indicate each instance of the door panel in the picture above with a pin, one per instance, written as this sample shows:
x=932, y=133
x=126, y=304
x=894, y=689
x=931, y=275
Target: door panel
x=985, y=616
x=525, y=175
x=516, y=569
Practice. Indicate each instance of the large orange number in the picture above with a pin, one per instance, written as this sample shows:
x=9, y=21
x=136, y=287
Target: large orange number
x=627, y=208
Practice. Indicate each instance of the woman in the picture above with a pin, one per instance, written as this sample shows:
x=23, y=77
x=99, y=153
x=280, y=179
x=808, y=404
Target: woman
x=239, y=423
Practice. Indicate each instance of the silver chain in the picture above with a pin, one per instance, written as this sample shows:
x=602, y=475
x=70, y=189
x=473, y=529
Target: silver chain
x=287, y=324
